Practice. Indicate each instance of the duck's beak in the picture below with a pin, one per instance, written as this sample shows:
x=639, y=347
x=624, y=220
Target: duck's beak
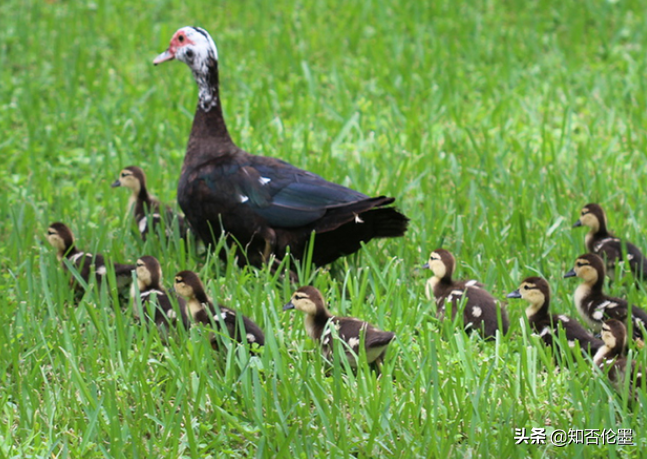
x=288, y=306
x=577, y=223
x=116, y=183
x=571, y=273
x=167, y=55
x=514, y=294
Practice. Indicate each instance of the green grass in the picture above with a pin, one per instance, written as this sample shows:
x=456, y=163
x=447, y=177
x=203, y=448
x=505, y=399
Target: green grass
x=491, y=122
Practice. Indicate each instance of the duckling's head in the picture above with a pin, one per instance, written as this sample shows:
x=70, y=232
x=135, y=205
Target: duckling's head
x=188, y=284
x=592, y=216
x=588, y=267
x=60, y=237
x=132, y=177
x=442, y=263
x=614, y=334
x=535, y=290
x=306, y=299
x=149, y=272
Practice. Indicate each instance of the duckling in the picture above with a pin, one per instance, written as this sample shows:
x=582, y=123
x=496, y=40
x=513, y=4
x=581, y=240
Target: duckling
x=593, y=304
x=536, y=291
x=610, y=357
x=480, y=308
x=602, y=242
x=202, y=310
x=319, y=323
x=145, y=206
x=62, y=239
x=149, y=281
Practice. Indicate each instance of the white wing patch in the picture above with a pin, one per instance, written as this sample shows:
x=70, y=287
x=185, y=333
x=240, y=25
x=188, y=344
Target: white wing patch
x=477, y=311
x=250, y=338
x=471, y=283
x=545, y=331
x=101, y=271
x=597, y=315
x=564, y=318
x=264, y=180
x=243, y=198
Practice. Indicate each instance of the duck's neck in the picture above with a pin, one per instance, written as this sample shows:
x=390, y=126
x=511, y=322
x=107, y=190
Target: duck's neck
x=209, y=122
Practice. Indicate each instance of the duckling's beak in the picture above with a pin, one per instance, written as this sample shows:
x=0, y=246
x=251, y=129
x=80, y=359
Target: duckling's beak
x=116, y=183
x=515, y=294
x=165, y=56
x=577, y=223
x=288, y=306
x=425, y=266
x=571, y=273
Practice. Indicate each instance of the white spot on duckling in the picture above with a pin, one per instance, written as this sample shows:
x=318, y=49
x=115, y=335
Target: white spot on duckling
x=264, y=180
x=74, y=258
x=243, y=198
x=101, y=271
x=597, y=315
x=545, y=331
x=250, y=338
x=477, y=311
x=564, y=318
x=171, y=314
x=353, y=342
x=142, y=224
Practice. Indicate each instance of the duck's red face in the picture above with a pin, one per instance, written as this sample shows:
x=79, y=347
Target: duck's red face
x=191, y=45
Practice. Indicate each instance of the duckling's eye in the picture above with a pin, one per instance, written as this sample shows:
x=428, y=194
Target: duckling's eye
x=299, y=297
x=139, y=265
x=525, y=287
x=123, y=174
x=579, y=264
x=51, y=233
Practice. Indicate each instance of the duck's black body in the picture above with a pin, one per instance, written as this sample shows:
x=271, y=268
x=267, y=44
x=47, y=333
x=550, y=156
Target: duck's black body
x=147, y=210
x=480, y=309
x=611, y=358
x=264, y=204
x=320, y=323
x=602, y=242
x=547, y=326
x=594, y=305
x=202, y=310
x=149, y=280
x=62, y=238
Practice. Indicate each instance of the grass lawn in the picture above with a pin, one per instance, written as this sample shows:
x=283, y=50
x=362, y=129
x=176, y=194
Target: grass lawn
x=492, y=123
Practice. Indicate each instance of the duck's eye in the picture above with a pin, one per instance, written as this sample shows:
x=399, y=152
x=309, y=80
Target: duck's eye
x=181, y=38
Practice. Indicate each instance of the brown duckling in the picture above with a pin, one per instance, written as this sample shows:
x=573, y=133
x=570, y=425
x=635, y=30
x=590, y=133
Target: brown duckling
x=149, y=281
x=147, y=209
x=480, y=309
x=536, y=291
x=319, y=323
x=610, y=358
x=593, y=304
x=602, y=242
x=62, y=239
x=202, y=310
